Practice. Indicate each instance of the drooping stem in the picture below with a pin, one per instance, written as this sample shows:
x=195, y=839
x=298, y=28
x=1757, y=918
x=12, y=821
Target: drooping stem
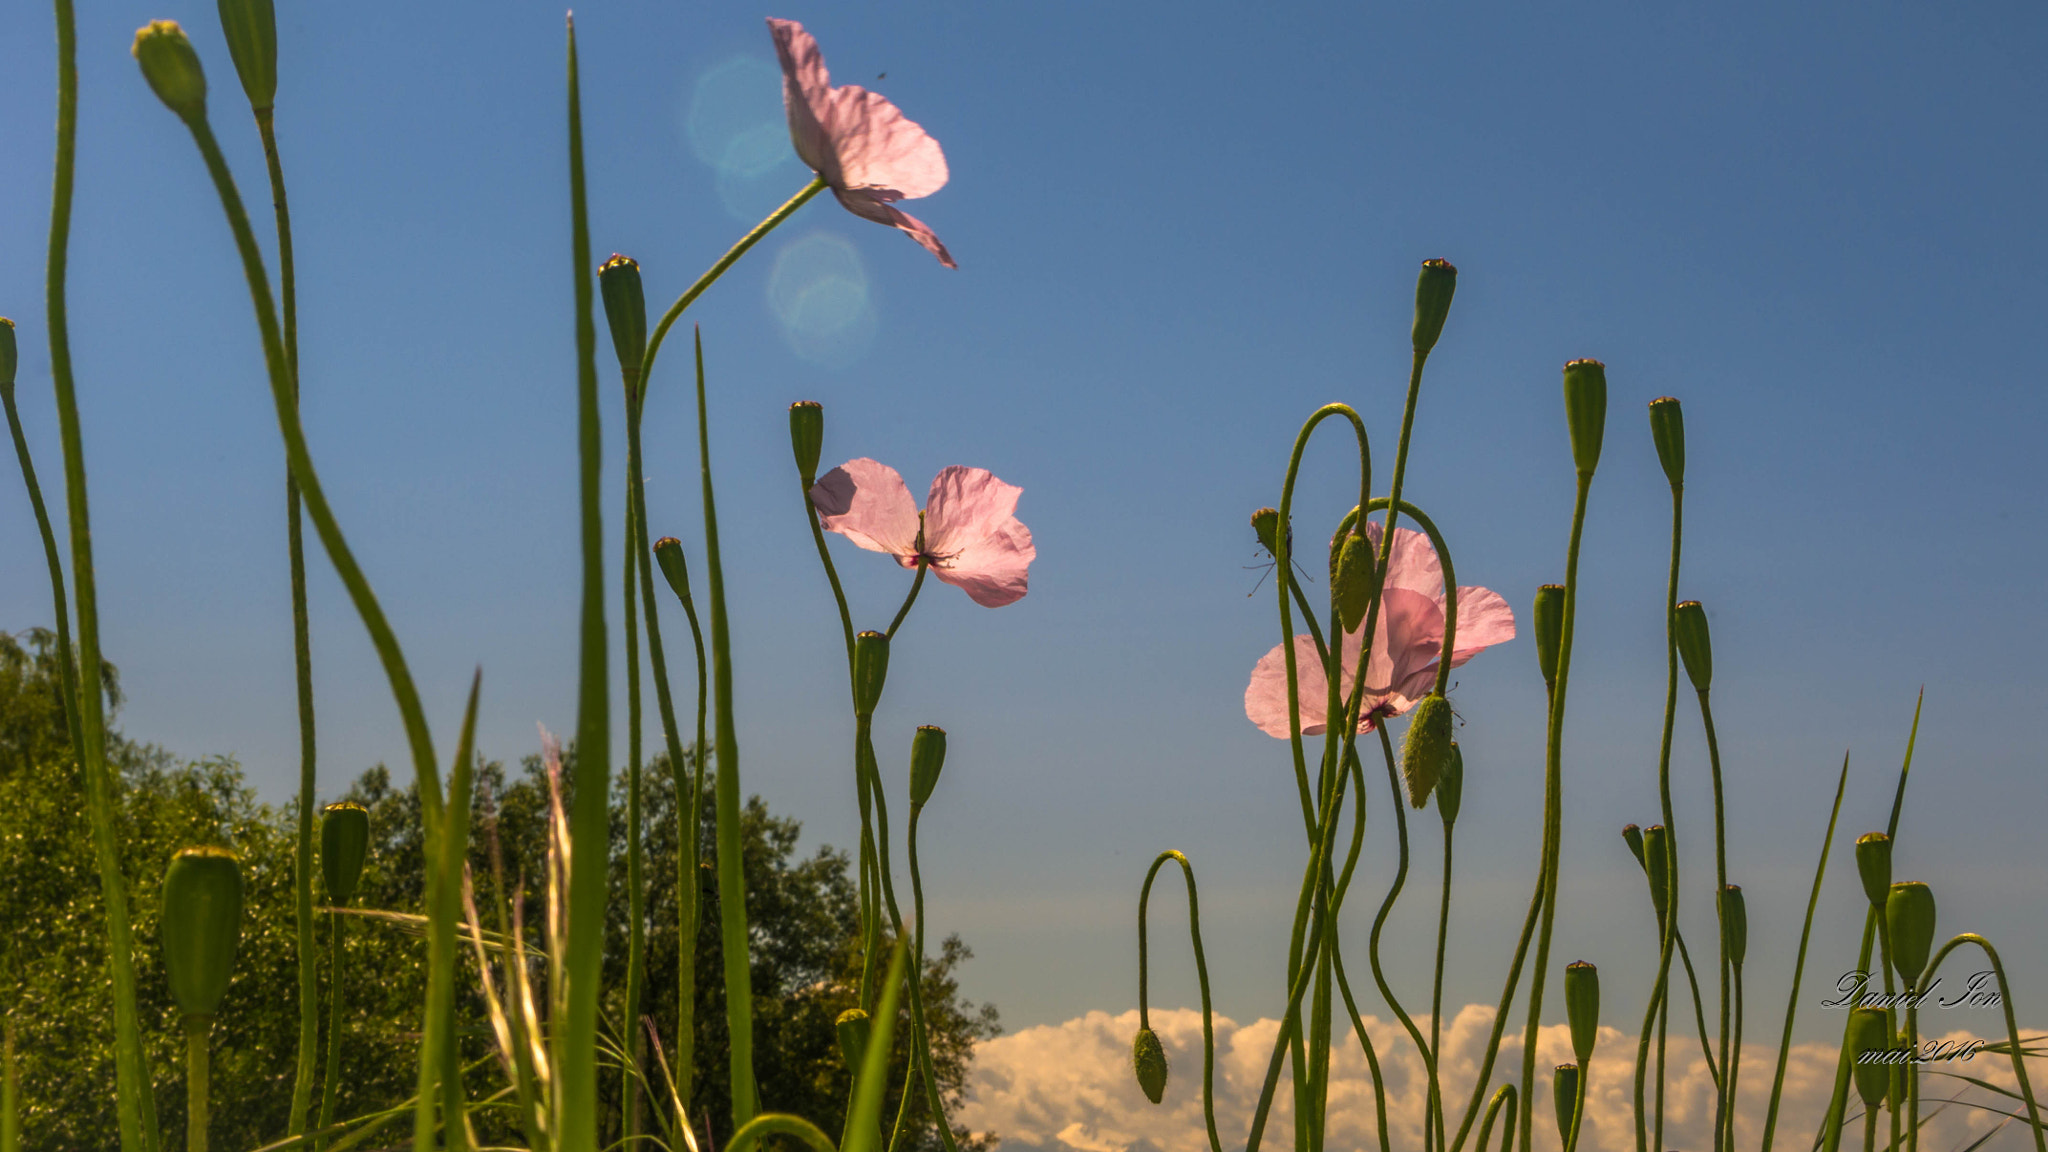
x=2036, y=1123
x=690, y=826
x=1201, y=968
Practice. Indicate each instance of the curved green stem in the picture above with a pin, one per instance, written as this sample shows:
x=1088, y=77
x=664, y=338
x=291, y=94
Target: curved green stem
x=908, y=600
x=1724, y=1100
x=832, y=575
x=1504, y=1098
x=68, y=675
x=1732, y=1059
x=1660, y=996
x=769, y=1124
x=1820, y=870
x=1386, y=906
x=1436, y=994
x=1500, y=1020
x=1144, y=1008
x=1372, y=1060
x=690, y=825
x=2035, y=1122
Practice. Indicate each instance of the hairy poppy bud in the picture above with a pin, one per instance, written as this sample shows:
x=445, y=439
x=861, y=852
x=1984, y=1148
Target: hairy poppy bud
x=807, y=438
x=1266, y=523
x=1549, y=614
x=1585, y=411
x=1735, y=923
x=852, y=1026
x=1450, y=790
x=251, y=28
x=1354, y=568
x=1564, y=1092
x=1868, y=1032
x=344, y=844
x=1633, y=837
x=870, y=669
x=1667, y=428
x=172, y=68
x=1582, y=1007
x=1426, y=746
x=1148, y=1058
x=668, y=552
x=10, y=357
x=1657, y=862
x=1874, y=867
x=1695, y=646
x=1909, y=913
x=202, y=921
x=625, y=311
x=1433, y=291
x=927, y=760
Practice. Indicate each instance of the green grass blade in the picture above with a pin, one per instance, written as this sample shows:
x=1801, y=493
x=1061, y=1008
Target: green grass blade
x=447, y=848
x=1820, y=871
x=864, y=1122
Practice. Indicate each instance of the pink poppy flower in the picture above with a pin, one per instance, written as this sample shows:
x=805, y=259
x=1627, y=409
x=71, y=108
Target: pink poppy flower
x=1408, y=642
x=968, y=533
x=869, y=153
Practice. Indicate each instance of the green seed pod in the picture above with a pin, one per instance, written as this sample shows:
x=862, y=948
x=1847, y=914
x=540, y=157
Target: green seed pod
x=202, y=921
x=870, y=669
x=172, y=68
x=1695, y=646
x=1633, y=837
x=1426, y=747
x=1266, y=523
x=1433, y=291
x=1585, y=410
x=927, y=760
x=807, y=438
x=853, y=1026
x=1450, y=790
x=1868, y=1032
x=1582, y=1007
x=10, y=357
x=1874, y=866
x=668, y=552
x=1549, y=615
x=251, y=28
x=344, y=845
x=1354, y=572
x=1667, y=428
x=625, y=311
x=1657, y=862
x=1564, y=1092
x=1148, y=1059
x=1735, y=923
x=1909, y=912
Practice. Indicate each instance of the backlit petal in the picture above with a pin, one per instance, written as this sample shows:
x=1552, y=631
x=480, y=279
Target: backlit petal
x=869, y=204
x=868, y=503
x=974, y=538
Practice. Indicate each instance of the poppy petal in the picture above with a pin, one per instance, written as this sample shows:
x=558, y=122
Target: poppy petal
x=868, y=503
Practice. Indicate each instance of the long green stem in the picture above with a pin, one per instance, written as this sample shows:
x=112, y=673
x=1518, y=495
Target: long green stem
x=1500, y=1020
x=636, y=935
x=10, y=1089
x=68, y=687
x=1820, y=870
x=1380, y=921
x=689, y=826
x=2036, y=1123
x=1201, y=969
x=1436, y=997
x=330, y=1083
x=1724, y=1098
x=1660, y=995
x=198, y=1092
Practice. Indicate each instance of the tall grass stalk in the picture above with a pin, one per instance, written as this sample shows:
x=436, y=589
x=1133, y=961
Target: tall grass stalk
x=690, y=849
x=1820, y=871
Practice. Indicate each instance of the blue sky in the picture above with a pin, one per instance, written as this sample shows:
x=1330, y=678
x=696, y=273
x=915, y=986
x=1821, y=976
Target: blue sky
x=1180, y=228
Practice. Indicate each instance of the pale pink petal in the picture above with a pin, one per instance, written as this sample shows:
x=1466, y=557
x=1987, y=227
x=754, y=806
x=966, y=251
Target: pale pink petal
x=1413, y=564
x=1265, y=698
x=870, y=204
x=805, y=90
x=877, y=146
x=868, y=503
x=1484, y=619
x=1412, y=637
x=973, y=537
x=994, y=571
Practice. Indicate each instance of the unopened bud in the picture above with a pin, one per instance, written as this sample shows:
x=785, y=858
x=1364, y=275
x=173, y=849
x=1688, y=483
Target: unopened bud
x=1735, y=923
x=1874, y=867
x=202, y=922
x=10, y=357
x=1426, y=746
x=927, y=760
x=1868, y=1032
x=807, y=438
x=1667, y=428
x=1148, y=1059
x=1564, y=1092
x=870, y=669
x=1354, y=568
x=1266, y=524
x=668, y=552
x=1909, y=913
x=1549, y=614
x=625, y=311
x=853, y=1027
x=344, y=845
x=1433, y=291
x=251, y=28
x=172, y=68
x=1585, y=411
x=1582, y=1007
x=1695, y=644
x=1633, y=837
x=1657, y=862
x=1450, y=790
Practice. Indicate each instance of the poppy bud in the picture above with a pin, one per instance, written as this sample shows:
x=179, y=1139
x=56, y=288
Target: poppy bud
x=1451, y=788
x=668, y=552
x=807, y=438
x=1585, y=410
x=1354, y=567
x=10, y=357
x=172, y=68
x=927, y=759
x=1695, y=646
x=1564, y=1091
x=870, y=669
x=625, y=310
x=852, y=1026
x=1426, y=746
x=1909, y=912
x=251, y=28
x=1148, y=1058
x=344, y=843
x=202, y=920
x=1266, y=523
x=1657, y=862
x=1549, y=615
x=1433, y=291
x=1633, y=837
x=1874, y=866
x=1667, y=428
x=1735, y=923
x=1582, y=1007
x=1868, y=1032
